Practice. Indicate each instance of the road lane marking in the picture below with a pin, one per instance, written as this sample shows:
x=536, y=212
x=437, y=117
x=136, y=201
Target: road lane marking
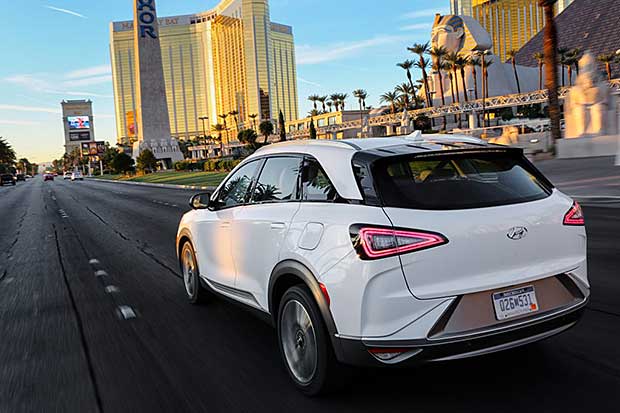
x=63, y=214
x=93, y=261
x=111, y=289
x=126, y=312
x=100, y=273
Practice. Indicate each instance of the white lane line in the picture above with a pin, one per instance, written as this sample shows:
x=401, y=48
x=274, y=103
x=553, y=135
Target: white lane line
x=126, y=312
x=53, y=197
x=111, y=289
x=63, y=214
x=100, y=273
x=93, y=261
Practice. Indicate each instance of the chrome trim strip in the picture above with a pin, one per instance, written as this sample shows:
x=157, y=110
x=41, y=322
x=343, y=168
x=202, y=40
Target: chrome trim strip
x=233, y=292
x=507, y=346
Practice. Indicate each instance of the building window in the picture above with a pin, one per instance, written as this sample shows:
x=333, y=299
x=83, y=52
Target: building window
x=321, y=122
x=331, y=120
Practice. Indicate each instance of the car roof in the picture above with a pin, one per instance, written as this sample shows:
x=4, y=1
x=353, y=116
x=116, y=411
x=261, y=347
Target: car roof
x=335, y=156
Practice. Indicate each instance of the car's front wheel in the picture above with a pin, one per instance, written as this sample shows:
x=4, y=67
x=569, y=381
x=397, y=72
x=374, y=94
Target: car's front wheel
x=196, y=293
x=304, y=343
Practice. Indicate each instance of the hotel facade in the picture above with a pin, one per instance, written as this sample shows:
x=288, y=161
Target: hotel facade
x=231, y=60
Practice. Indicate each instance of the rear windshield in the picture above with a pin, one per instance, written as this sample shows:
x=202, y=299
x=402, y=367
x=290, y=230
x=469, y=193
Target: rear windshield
x=457, y=181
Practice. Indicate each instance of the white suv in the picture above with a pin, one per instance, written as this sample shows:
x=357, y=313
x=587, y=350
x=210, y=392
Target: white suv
x=389, y=251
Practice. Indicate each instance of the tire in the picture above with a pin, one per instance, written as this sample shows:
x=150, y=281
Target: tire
x=194, y=290
x=307, y=352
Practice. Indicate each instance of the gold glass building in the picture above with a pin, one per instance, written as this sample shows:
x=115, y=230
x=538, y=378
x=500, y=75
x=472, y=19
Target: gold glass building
x=511, y=23
x=228, y=59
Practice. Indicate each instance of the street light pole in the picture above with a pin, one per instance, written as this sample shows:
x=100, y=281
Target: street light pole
x=204, y=129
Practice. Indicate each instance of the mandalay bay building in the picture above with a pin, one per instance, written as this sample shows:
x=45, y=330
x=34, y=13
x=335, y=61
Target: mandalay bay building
x=228, y=59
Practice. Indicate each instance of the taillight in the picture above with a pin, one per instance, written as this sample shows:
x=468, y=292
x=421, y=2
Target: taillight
x=574, y=216
x=375, y=242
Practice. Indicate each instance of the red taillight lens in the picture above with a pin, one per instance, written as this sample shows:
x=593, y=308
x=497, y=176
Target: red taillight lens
x=373, y=243
x=574, y=216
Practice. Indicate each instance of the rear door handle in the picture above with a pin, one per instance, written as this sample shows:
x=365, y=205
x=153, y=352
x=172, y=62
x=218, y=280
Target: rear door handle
x=278, y=225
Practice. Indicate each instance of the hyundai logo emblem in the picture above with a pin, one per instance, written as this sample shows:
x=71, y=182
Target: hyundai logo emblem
x=516, y=233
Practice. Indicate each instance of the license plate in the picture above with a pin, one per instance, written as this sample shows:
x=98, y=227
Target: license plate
x=516, y=302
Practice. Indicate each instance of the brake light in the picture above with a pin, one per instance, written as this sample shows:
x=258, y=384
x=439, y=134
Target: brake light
x=374, y=243
x=574, y=216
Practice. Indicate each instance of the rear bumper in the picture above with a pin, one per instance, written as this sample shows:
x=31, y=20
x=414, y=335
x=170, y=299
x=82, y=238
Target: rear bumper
x=356, y=352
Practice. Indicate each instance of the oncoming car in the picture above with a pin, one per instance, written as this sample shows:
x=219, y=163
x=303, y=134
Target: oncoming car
x=77, y=176
x=389, y=251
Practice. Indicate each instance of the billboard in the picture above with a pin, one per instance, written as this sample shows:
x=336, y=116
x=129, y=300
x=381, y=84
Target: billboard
x=93, y=148
x=78, y=122
x=131, y=124
x=79, y=136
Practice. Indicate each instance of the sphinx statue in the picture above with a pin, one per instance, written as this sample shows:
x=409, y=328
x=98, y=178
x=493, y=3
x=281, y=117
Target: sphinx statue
x=588, y=107
x=465, y=36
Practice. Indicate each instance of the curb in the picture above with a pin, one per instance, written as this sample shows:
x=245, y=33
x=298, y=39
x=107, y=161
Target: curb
x=154, y=185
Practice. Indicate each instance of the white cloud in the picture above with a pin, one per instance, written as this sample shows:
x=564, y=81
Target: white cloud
x=89, y=71
x=93, y=80
x=72, y=13
x=424, y=13
x=417, y=26
x=22, y=108
x=302, y=80
x=18, y=122
x=307, y=55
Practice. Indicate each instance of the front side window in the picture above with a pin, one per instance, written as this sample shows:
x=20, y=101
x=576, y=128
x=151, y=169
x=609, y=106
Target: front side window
x=457, y=181
x=315, y=184
x=278, y=180
x=235, y=190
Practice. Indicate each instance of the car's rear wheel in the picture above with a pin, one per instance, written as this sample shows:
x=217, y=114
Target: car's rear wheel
x=194, y=290
x=304, y=343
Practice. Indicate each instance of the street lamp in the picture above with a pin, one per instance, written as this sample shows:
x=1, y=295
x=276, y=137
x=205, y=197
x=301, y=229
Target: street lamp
x=482, y=54
x=204, y=129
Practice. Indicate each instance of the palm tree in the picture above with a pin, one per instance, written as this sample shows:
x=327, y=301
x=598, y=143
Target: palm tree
x=550, y=43
x=487, y=64
x=512, y=55
x=219, y=128
x=407, y=65
x=234, y=114
x=461, y=63
x=421, y=49
x=313, y=99
x=438, y=54
x=223, y=116
x=342, y=97
x=404, y=90
x=329, y=104
x=361, y=96
x=390, y=98
x=313, y=113
x=562, y=53
x=452, y=59
x=576, y=55
x=540, y=58
x=253, y=116
x=335, y=98
x=322, y=99
x=570, y=61
x=474, y=62
x=607, y=59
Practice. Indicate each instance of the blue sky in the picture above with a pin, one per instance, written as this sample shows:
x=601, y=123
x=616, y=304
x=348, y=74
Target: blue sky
x=59, y=49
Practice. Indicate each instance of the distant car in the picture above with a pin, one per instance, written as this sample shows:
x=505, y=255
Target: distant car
x=20, y=177
x=7, y=179
x=48, y=177
x=77, y=175
x=66, y=176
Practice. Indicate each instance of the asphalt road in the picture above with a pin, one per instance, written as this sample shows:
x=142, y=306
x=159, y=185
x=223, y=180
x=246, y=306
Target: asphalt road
x=65, y=345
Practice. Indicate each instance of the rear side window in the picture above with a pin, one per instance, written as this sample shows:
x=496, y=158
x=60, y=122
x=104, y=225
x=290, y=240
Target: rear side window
x=457, y=181
x=278, y=180
x=315, y=184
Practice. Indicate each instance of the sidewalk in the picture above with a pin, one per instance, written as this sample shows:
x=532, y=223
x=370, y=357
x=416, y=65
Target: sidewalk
x=589, y=180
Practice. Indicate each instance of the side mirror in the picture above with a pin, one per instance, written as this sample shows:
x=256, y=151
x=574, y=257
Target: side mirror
x=200, y=201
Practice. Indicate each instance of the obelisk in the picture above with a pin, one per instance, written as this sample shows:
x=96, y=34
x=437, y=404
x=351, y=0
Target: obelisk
x=151, y=114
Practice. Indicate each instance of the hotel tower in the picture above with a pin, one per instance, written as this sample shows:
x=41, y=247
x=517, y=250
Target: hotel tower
x=231, y=60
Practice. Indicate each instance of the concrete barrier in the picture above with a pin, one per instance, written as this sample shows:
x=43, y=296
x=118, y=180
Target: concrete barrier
x=587, y=147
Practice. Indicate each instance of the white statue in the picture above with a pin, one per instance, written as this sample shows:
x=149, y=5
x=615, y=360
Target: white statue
x=588, y=107
x=405, y=119
x=465, y=36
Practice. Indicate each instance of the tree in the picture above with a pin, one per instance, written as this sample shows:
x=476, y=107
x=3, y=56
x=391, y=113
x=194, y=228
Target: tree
x=452, y=60
x=550, y=46
x=335, y=98
x=322, y=99
x=329, y=104
x=438, y=54
x=474, y=62
x=407, y=65
x=405, y=91
x=219, y=128
x=390, y=98
x=234, y=115
x=512, y=55
x=607, y=59
x=421, y=49
x=361, y=96
x=7, y=154
x=253, y=116
x=121, y=163
x=282, y=126
x=23, y=165
x=146, y=161
x=266, y=129
x=248, y=137
x=223, y=116
x=461, y=63
x=342, y=97
x=312, y=129
x=314, y=99
x=540, y=58
x=561, y=52
x=570, y=61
